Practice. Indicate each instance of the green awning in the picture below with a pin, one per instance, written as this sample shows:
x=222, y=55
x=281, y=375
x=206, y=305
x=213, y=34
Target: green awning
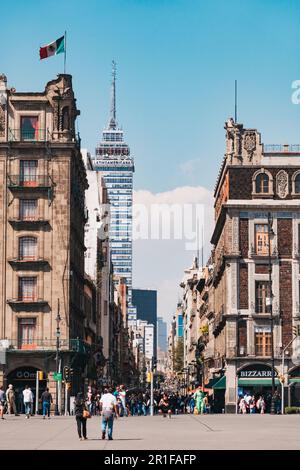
x=221, y=384
x=212, y=382
x=255, y=382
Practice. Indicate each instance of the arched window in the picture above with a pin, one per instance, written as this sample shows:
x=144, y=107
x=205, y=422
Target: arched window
x=297, y=184
x=262, y=183
x=27, y=248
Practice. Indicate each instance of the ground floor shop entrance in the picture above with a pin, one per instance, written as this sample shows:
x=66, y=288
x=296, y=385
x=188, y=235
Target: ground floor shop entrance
x=21, y=377
x=255, y=381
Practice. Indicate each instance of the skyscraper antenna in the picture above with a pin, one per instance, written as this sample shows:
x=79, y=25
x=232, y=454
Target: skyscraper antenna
x=112, y=119
x=202, y=246
x=198, y=260
x=235, y=101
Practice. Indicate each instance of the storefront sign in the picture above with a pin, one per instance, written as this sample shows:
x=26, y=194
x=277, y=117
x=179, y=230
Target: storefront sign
x=257, y=371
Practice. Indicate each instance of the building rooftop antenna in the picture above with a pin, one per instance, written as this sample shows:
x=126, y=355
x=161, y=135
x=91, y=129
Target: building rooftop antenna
x=235, y=101
x=112, y=118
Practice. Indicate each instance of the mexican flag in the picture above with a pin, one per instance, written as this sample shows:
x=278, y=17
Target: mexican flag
x=53, y=48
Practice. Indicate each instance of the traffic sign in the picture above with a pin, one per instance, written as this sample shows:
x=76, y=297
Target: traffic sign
x=57, y=376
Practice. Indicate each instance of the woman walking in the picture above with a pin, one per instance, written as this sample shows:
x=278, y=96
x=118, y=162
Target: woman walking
x=80, y=412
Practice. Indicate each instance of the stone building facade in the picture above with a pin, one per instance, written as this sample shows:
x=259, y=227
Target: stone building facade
x=42, y=218
x=257, y=185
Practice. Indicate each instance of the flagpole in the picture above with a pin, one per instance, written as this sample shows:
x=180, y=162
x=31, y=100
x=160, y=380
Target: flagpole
x=65, y=54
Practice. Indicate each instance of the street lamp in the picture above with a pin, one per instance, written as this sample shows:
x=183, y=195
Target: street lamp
x=270, y=232
x=58, y=320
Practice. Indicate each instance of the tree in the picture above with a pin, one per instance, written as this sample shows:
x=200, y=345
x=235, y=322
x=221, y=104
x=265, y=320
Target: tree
x=178, y=355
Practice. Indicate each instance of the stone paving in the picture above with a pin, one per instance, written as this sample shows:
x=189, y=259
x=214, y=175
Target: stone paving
x=182, y=432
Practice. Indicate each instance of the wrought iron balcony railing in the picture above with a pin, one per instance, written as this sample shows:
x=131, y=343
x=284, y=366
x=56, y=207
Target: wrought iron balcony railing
x=285, y=148
x=28, y=135
x=76, y=345
x=29, y=181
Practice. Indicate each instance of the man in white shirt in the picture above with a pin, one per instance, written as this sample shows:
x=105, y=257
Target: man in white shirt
x=108, y=406
x=28, y=400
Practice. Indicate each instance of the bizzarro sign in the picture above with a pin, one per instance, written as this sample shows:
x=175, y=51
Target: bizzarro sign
x=262, y=371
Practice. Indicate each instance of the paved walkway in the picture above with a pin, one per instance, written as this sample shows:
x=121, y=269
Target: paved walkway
x=182, y=432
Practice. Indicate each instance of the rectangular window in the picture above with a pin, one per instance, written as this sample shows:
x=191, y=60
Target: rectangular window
x=28, y=289
x=28, y=209
x=261, y=239
x=263, y=342
x=28, y=172
x=29, y=128
x=261, y=295
x=27, y=248
x=27, y=333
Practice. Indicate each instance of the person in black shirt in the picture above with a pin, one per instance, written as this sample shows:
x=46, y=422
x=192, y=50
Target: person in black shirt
x=80, y=407
x=46, y=402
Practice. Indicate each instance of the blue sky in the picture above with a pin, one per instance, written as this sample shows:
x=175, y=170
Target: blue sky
x=177, y=62
x=176, y=65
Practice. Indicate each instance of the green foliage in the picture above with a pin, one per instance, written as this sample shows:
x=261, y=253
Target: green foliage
x=290, y=410
x=178, y=356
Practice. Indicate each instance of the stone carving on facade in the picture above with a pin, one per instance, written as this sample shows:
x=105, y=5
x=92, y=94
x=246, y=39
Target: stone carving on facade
x=250, y=144
x=3, y=98
x=235, y=235
x=2, y=120
x=61, y=98
x=282, y=184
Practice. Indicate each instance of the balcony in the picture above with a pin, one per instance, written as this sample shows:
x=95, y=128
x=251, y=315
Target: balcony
x=219, y=323
x=31, y=135
x=254, y=253
x=285, y=148
x=29, y=182
x=28, y=223
x=29, y=263
x=27, y=304
x=75, y=345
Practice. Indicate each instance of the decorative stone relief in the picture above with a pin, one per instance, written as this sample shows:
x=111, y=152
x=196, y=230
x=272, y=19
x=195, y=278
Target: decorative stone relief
x=2, y=120
x=282, y=184
x=235, y=235
x=250, y=143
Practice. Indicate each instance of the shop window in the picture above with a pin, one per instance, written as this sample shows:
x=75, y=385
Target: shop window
x=28, y=172
x=28, y=209
x=261, y=296
x=263, y=342
x=29, y=128
x=261, y=239
x=27, y=333
x=27, y=289
x=27, y=248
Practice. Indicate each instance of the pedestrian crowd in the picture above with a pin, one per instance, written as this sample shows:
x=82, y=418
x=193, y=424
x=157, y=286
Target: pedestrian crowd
x=14, y=402
x=251, y=404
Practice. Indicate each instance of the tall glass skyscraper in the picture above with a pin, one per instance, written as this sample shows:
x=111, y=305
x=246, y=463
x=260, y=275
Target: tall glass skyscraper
x=117, y=167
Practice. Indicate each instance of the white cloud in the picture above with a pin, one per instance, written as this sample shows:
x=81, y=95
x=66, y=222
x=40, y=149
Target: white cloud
x=159, y=264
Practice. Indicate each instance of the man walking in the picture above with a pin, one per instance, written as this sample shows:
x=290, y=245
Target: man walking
x=46, y=402
x=28, y=399
x=108, y=406
x=11, y=400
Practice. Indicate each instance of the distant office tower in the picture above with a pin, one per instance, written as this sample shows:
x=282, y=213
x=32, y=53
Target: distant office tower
x=145, y=301
x=116, y=166
x=162, y=339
